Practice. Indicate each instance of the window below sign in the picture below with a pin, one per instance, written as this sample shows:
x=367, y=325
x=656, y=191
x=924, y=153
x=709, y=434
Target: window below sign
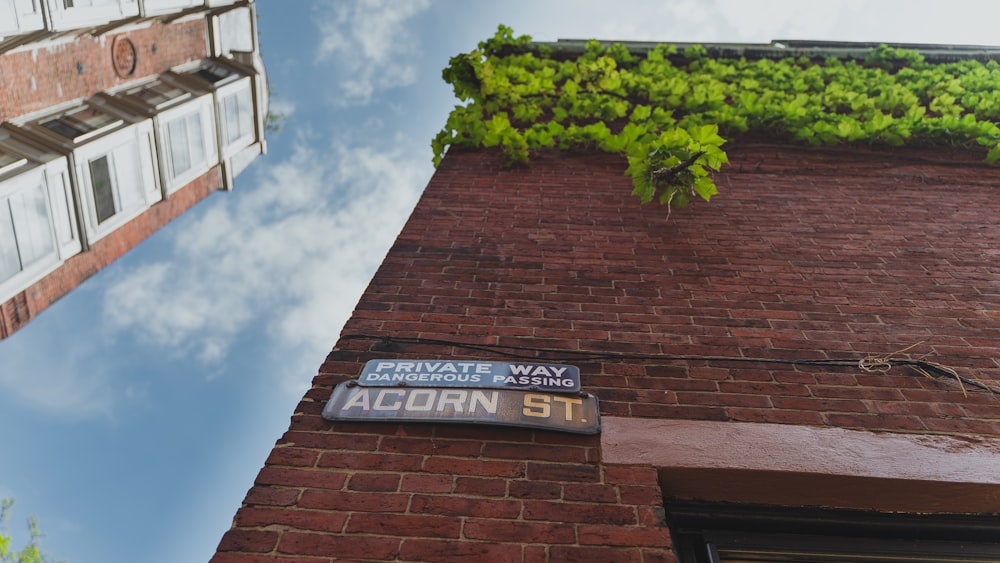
x=740, y=534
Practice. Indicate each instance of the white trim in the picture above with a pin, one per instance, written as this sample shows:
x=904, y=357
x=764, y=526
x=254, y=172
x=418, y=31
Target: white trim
x=202, y=108
x=20, y=17
x=163, y=7
x=61, y=221
x=62, y=18
x=130, y=149
x=793, y=465
x=805, y=449
x=243, y=86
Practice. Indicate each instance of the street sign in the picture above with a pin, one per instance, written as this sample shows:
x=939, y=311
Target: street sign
x=504, y=407
x=556, y=378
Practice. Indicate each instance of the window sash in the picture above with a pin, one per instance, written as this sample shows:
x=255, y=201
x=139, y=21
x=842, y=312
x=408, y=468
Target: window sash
x=81, y=123
x=238, y=115
x=10, y=261
x=214, y=73
x=102, y=188
x=186, y=141
x=158, y=94
x=32, y=225
x=25, y=231
x=10, y=161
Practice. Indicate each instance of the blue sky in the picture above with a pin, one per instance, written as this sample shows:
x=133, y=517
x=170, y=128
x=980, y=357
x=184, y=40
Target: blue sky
x=136, y=412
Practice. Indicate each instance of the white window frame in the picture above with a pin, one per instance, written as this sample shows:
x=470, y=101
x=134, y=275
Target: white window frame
x=161, y=7
x=27, y=17
x=77, y=17
x=229, y=148
x=200, y=109
x=232, y=31
x=53, y=179
x=133, y=142
x=131, y=97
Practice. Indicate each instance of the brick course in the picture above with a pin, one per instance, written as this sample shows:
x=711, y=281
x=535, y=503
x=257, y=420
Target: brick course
x=38, y=77
x=806, y=254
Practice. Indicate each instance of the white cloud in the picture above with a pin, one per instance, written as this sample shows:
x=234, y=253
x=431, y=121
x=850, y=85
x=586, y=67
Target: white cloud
x=369, y=44
x=292, y=253
x=281, y=106
x=760, y=21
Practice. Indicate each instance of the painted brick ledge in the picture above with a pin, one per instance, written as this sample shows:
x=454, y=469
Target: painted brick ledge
x=800, y=465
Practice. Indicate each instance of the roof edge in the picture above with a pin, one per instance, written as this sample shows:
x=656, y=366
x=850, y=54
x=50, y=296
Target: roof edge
x=783, y=48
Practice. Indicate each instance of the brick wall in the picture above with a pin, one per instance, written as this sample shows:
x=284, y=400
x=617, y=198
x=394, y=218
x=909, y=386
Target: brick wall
x=42, y=76
x=806, y=254
x=24, y=306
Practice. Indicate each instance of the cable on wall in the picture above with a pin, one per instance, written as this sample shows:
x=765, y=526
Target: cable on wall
x=868, y=364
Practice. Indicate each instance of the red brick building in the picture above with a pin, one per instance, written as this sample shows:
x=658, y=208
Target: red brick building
x=723, y=345
x=116, y=116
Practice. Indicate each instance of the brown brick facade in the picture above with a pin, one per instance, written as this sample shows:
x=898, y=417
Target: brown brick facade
x=807, y=254
x=38, y=77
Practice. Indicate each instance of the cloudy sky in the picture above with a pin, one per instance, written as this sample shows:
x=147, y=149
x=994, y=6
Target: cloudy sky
x=136, y=412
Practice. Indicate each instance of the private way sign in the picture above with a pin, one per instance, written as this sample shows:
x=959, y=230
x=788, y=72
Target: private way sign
x=505, y=407
x=556, y=378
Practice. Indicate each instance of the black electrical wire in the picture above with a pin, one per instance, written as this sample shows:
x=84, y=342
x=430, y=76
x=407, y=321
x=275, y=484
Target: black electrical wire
x=869, y=364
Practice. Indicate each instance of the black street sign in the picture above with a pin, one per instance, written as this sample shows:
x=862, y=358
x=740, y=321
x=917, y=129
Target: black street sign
x=504, y=407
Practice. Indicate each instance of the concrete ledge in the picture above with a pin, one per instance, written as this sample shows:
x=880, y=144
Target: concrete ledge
x=807, y=466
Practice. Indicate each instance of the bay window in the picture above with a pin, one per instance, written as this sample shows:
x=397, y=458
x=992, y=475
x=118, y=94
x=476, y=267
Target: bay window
x=187, y=142
x=117, y=177
x=37, y=228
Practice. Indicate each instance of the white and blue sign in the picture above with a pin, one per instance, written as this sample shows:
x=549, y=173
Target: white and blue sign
x=556, y=378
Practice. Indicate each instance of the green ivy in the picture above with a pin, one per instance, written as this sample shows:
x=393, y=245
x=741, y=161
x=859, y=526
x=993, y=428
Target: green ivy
x=667, y=112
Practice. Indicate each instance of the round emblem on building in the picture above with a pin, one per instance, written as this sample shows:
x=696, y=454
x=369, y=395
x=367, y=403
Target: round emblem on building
x=123, y=56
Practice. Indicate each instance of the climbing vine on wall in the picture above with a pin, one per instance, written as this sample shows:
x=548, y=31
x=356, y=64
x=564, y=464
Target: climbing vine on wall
x=667, y=111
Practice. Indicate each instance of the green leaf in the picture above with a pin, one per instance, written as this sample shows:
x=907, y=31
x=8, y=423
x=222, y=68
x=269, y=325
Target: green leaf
x=993, y=155
x=705, y=187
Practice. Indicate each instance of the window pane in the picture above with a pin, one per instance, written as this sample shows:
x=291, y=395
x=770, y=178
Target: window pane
x=100, y=180
x=214, y=73
x=90, y=118
x=32, y=225
x=80, y=122
x=10, y=161
x=61, y=206
x=246, y=113
x=128, y=173
x=180, y=152
x=232, y=110
x=10, y=263
x=63, y=127
x=197, y=138
x=239, y=117
x=158, y=93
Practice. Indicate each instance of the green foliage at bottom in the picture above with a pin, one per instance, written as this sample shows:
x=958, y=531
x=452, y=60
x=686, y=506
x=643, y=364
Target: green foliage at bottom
x=29, y=553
